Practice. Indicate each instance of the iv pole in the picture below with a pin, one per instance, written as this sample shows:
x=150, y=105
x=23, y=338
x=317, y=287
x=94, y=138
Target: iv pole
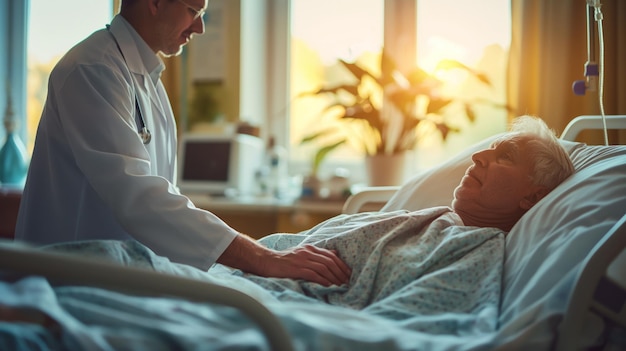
x=591, y=66
x=594, y=73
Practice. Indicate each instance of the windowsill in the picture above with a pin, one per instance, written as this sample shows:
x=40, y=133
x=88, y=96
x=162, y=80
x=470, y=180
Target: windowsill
x=258, y=217
x=263, y=204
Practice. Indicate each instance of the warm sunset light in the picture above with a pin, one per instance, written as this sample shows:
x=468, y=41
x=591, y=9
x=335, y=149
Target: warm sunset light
x=49, y=38
x=460, y=30
x=44, y=45
x=475, y=33
x=346, y=31
x=447, y=29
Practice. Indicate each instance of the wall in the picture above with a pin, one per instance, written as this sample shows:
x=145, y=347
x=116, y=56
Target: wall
x=212, y=69
x=242, y=92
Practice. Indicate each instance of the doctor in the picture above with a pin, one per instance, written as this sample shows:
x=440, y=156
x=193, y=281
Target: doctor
x=104, y=161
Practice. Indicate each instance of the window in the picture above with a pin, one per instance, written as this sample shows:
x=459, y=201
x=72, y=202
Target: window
x=53, y=28
x=475, y=33
x=322, y=32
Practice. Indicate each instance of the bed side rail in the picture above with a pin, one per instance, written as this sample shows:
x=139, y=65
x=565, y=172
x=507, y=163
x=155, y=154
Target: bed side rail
x=600, y=287
x=375, y=194
x=580, y=123
x=61, y=268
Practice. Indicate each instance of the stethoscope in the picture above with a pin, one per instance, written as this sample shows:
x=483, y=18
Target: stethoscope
x=144, y=132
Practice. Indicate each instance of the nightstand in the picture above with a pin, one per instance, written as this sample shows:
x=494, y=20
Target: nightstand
x=258, y=217
x=9, y=206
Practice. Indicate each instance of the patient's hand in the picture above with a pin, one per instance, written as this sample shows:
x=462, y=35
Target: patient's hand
x=306, y=262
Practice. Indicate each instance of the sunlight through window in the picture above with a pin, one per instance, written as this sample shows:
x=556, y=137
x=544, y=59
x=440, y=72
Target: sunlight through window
x=53, y=28
x=322, y=33
x=476, y=34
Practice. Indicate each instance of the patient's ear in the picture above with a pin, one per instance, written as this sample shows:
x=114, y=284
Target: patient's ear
x=536, y=194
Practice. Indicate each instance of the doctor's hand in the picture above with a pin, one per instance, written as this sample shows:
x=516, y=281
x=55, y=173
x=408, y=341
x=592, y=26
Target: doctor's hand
x=306, y=262
x=310, y=263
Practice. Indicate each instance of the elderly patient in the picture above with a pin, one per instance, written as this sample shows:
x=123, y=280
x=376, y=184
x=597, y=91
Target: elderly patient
x=507, y=179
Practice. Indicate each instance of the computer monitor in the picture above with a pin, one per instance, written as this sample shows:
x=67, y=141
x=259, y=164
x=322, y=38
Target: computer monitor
x=213, y=164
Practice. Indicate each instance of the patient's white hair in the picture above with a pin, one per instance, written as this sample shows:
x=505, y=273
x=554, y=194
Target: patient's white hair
x=552, y=163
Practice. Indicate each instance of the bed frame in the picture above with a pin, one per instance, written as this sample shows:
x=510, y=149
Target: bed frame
x=61, y=269
x=604, y=269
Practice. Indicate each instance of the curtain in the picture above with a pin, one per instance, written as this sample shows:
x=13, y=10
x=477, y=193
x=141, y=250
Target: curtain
x=548, y=53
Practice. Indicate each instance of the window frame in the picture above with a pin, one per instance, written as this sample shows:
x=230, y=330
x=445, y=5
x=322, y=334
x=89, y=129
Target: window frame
x=13, y=65
x=400, y=33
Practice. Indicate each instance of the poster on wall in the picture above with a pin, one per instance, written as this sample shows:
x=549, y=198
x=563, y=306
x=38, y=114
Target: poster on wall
x=207, y=57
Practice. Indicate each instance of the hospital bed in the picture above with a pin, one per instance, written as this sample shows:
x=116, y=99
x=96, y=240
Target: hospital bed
x=563, y=281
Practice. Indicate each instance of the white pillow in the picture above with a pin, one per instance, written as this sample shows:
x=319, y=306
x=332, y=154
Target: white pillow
x=435, y=186
x=545, y=249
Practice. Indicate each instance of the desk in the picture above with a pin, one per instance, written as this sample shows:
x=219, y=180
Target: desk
x=253, y=216
x=9, y=205
x=259, y=217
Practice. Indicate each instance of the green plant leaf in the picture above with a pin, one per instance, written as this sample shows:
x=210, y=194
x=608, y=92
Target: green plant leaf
x=418, y=76
x=446, y=129
x=365, y=111
x=435, y=105
x=402, y=92
x=451, y=64
x=322, y=152
x=470, y=113
x=335, y=90
x=314, y=136
x=410, y=123
x=357, y=71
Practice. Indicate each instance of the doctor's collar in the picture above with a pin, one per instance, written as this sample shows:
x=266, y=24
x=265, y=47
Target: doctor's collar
x=151, y=61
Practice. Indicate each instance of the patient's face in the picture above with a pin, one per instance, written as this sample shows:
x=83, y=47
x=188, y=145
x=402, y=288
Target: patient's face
x=498, y=185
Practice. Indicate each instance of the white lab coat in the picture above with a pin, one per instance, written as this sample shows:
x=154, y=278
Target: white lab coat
x=91, y=177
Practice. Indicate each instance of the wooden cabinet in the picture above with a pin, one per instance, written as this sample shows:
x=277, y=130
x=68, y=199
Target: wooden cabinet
x=254, y=217
x=260, y=217
x=9, y=206
x=298, y=220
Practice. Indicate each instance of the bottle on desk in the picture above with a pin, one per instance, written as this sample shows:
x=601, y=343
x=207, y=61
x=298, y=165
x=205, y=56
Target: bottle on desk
x=13, y=156
x=273, y=177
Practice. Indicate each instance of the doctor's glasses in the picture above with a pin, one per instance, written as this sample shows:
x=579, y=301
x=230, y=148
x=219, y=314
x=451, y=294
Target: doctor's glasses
x=196, y=13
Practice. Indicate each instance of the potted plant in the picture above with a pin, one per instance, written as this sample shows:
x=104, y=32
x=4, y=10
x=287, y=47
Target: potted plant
x=383, y=111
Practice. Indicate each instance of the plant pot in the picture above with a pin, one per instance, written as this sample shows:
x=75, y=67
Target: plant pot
x=383, y=170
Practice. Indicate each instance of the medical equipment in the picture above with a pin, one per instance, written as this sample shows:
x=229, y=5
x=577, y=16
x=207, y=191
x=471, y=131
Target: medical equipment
x=219, y=164
x=594, y=71
x=144, y=132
